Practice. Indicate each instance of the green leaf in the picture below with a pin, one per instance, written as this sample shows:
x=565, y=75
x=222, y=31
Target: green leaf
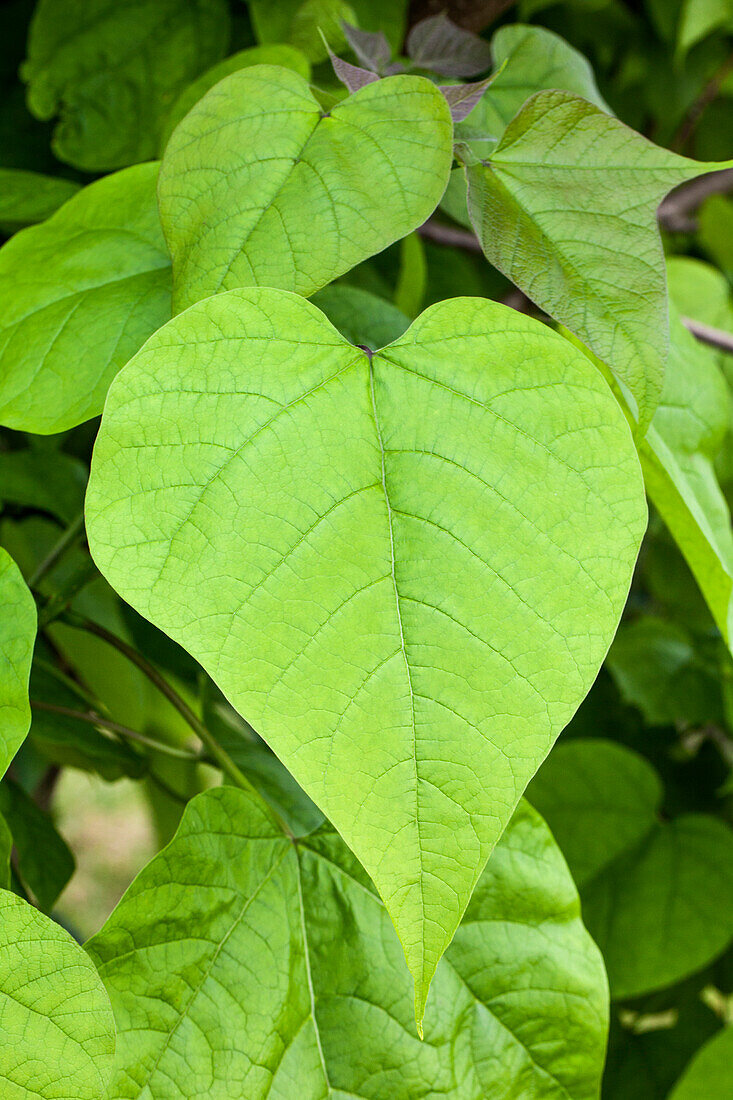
x=289, y=948
x=300, y=201
x=677, y=458
x=45, y=863
x=527, y=60
x=278, y=54
x=699, y=18
x=435, y=544
x=362, y=317
x=50, y=483
x=29, y=197
x=660, y=669
x=551, y=210
x=6, y=851
x=657, y=897
x=80, y=293
x=710, y=1073
x=316, y=20
x=112, y=111
x=17, y=636
x=715, y=220
x=58, y=1029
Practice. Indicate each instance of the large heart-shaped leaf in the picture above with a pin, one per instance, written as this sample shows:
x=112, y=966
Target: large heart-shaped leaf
x=288, y=947
x=111, y=71
x=57, y=1024
x=403, y=571
x=17, y=636
x=565, y=208
x=80, y=294
x=657, y=896
x=297, y=202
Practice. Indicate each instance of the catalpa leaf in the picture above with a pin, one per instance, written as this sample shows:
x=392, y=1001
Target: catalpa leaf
x=526, y=60
x=29, y=197
x=273, y=22
x=371, y=48
x=45, y=863
x=32, y=479
x=657, y=896
x=279, y=54
x=80, y=294
x=565, y=208
x=710, y=1073
x=111, y=70
x=300, y=201
x=677, y=456
x=17, y=637
x=234, y=920
x=362, y=317
x=435, y=543
x=57, y=1024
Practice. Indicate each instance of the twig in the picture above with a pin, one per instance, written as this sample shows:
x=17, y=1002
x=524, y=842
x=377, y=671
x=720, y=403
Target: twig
x=707, y=96
x=220, y=756
x=67, y=540
x=114, y=727
x=706, y=334
x=675, y=212
x=449, y=236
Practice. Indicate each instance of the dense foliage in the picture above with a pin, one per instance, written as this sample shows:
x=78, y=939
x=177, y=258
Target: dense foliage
x=362, y=436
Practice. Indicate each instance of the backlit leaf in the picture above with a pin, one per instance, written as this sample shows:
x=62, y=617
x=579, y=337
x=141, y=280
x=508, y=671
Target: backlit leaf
x=56, y=1020
x=235, y=923
x=300, y=201
x=435, y=544
x=17, y=636
x=565, y=208
x=80, y=294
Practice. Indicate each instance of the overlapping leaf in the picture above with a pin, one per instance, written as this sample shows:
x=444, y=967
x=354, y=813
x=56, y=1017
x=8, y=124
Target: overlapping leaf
x=403, y=572
x=677, y=458
x=111, y=68
x=233, y=922
x=29, y=197
x=17, y=635
x=565, y=208
x=300, y=200
x=279, y=54
x=80, y=293
x=56, y=1020
x=711, y=1071
x=657, y=897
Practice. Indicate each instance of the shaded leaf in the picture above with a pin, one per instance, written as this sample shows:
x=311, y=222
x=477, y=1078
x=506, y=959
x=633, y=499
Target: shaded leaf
x=711, y=1071
x=111, y=71
x=372, y=48
x=435, y=544
x=273, y=22
x=659, y=668
x=436, y=43
x=574, y=241
x=44, y=862
x=81, y=293
x=329, y=969
x=276, y=54
x=657, y=897
x=298, y=202
x=29, y=197
x=58, y=1028
x=319, y=21
x=6, y=849
x=17, y=636
x=362, y=317
x=31, y=478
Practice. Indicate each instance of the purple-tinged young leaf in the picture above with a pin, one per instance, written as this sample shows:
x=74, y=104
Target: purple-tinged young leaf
x=462, y=98
x=370, y=47
x=351, y=75
x=438, y=44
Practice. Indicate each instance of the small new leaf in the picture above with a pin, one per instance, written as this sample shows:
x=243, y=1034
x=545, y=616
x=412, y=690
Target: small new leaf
x=437, y=44
x=370, y=47
x=462, y=98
